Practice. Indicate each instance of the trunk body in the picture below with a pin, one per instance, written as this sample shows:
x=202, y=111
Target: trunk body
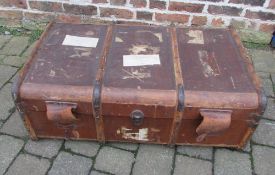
x=140, y=84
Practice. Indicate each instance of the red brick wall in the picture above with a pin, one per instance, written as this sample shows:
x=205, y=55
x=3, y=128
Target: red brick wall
x=254, y=14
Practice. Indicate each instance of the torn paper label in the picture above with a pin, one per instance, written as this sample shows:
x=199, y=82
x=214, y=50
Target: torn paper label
x=196, y=37
x=141, y=60
x=80, y=41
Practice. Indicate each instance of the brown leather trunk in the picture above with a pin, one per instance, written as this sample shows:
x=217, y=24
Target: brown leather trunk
x=146, y=84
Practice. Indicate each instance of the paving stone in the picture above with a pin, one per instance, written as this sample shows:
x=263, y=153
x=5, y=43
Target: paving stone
x=6, y=72
x=153, y=160
x=198, y=152
x=114, y=161
x=14, y=60
x=26, y=164
x=188, y=165
x=273, y=78
x=263, y=75
x=97, y=173
x=14, y=78
x=263, y=160
x=247, y=147
x=4, y=39
x=14, y=126
x=126, y=146
x=28, y=52
x=44, y=147
x=66, y=163
x=9, y=148
x=231, y=162
x=83, y=147
x=265, y=133
x=270, y=109
x=15, y=46
x=268, y=87
x=8, y=105
x=264, y=61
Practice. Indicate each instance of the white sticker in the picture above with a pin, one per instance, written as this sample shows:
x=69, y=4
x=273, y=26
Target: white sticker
x=141, y=60
x=80, y=41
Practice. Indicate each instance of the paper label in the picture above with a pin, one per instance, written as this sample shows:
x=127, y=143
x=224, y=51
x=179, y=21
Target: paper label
x=80, y=41
x=141, y=60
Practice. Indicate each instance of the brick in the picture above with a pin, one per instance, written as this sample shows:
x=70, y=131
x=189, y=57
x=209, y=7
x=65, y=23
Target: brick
x=270, y=28
x=46, y=6
x=179, y=18
x=138, y=3
x=126, y=146
x=14, y=126
x=197, y=152
x=5, y=96
x=118, y=13
x=265, y=133
x=188, y=165
x=232, y=162
x=255, y=37
x=263, y=159
x=157, y=4
x=80, y=9
x=199, y=21
x=260, y=15
x=83, y=147
x=119, y=161
x=117, y=2
x=14, y=60
x=217, y=22
x=16, y=46
x=44, y=147
x=144, y=15
x=26, y=164
x=224, y=10
x=10, y=17
x=264, y=61
x=237, y=23
x=6, y=73
x=271, y=4
x=68, y=18
x=66, y=163
x=249, y=2
x=154, y=158
x=9, y=148
x=4, y=39
x=188, y=7
x=39, y=17
x=14, y=3
x=100, y=1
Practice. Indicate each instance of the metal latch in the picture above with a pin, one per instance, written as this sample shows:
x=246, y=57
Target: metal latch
x=137, y=117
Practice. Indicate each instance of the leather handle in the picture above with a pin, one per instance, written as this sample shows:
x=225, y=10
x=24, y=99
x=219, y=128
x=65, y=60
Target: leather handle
x=61, y=112
x=213, y=123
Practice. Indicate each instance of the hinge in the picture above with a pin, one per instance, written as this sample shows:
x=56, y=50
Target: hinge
x=180, y=98
x=97, y=99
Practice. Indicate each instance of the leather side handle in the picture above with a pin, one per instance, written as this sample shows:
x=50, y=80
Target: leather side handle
x=213, y=123
x=61, y=112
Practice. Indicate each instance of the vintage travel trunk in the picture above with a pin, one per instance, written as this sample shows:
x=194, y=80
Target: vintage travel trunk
x=135, y=83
